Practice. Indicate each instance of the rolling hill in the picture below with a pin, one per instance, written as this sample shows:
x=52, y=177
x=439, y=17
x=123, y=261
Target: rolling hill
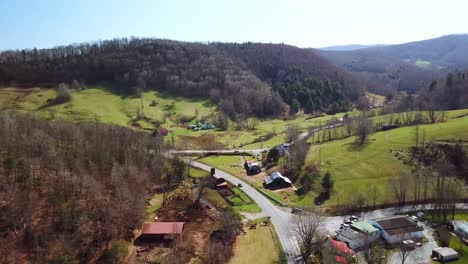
x=241, y=78
x=360, y=170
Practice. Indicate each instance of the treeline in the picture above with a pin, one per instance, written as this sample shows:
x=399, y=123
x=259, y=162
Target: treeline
x=239, y=77
x=67, y=191
x=438, y=176
x=448, y=94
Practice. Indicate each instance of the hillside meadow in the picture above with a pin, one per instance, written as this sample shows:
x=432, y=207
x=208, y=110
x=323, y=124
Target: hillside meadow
x=360, y=169
x=174, y=113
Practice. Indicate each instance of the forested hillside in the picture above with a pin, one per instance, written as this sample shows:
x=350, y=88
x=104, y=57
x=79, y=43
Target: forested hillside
x=67, y=191
x=446, y=94
x=303, y=79
x=243, y=79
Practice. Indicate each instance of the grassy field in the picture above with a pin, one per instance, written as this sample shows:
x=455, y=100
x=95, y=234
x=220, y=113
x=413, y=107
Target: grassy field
x=98, y=103
x=257, y=246
x=356, y=169
x=105, y=106
x=462, y=254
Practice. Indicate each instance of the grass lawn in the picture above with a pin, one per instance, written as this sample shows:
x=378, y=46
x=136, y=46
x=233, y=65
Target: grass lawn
x=230, y=164
x=459, y=215
x=196, y=173
x=257, y=246
x=246, y=203
x=355, y=170
x=463, y=253
x=235, y=165
x=215, y=198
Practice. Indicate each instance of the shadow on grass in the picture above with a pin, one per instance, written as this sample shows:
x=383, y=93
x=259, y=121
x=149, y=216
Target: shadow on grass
x=356, y=146
x=52, y=102
x=321, y=198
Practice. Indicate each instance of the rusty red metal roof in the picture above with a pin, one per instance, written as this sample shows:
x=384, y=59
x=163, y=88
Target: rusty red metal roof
x=340, y=246
x=341, y=259
x=162, y=228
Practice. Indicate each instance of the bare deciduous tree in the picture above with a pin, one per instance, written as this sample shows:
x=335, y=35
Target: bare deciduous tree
x=292, y=132
x=306, y=226
x=399, y=188
x=363, y=129
x=404, y=252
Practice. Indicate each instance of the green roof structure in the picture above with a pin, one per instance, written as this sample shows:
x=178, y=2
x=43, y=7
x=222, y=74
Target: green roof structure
x=364, y=227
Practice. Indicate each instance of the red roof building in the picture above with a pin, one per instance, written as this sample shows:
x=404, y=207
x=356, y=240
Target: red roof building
x=341, y=246
x=338, y=251
x=162, y=234
x=163, y=228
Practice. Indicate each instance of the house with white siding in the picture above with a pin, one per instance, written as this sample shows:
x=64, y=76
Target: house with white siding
x=358, y=234
x=395, y=229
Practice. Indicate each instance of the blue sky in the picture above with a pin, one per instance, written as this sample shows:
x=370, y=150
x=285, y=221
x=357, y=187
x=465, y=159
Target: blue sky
x=304, y=23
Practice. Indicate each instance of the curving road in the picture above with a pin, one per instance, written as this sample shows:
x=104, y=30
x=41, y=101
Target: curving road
x=282, y=221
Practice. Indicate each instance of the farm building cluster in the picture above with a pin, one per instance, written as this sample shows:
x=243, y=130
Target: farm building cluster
x=394, y=230
x=402, y=231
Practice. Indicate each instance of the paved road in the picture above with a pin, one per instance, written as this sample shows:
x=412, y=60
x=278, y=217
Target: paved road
x=219, y=151
x=281, y=220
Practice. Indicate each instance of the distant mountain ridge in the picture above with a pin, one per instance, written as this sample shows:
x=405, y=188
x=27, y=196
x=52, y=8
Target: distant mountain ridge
x=409, y=66
x=351, y=47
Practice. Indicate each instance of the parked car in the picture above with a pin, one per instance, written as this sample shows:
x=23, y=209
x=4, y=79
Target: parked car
x=343, y=226
x=409, y=243
x=348, y=222
x=415, y=218
x=239, y=185
x=296, y=210
x=354, y=218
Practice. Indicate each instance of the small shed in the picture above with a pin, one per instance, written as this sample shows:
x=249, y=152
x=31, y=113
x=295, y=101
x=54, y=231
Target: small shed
x=252, y=167
x=444, y=254
x=277, y=180
x=221, y=183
